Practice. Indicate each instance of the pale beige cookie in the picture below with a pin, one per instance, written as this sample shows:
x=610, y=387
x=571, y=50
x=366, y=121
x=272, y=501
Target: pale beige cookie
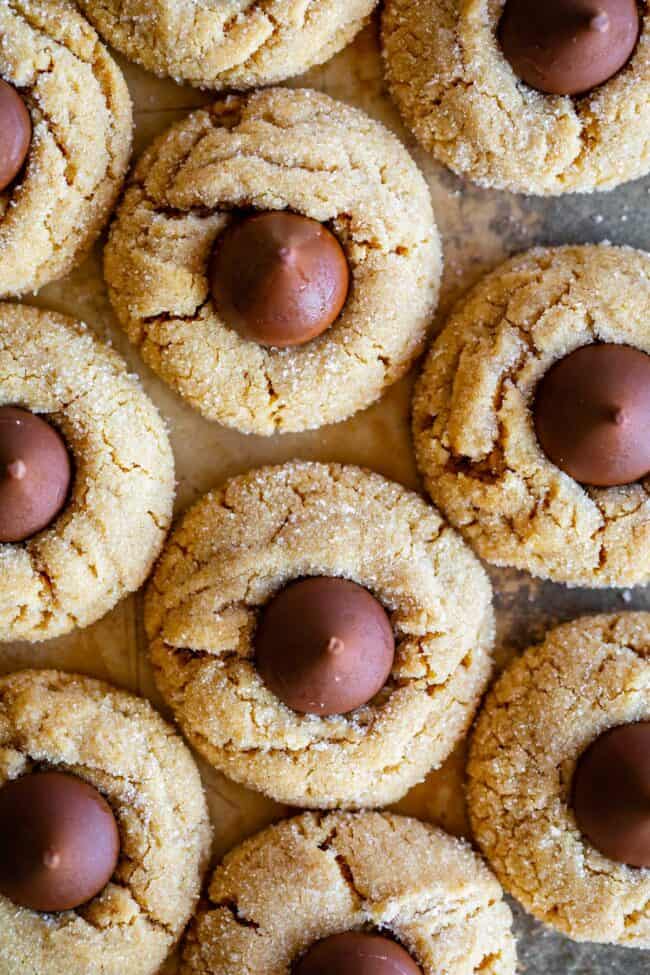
x=228, y=43
x=103, y=544
x=473, y=426
x=463, y=101
x=239, y=546
x=314, y=876
x=82, y=121
x=550, y=705
x=276, y=150
x=123, y=748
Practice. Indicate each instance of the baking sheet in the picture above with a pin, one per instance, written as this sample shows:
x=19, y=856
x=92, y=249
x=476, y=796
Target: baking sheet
x=479, y=229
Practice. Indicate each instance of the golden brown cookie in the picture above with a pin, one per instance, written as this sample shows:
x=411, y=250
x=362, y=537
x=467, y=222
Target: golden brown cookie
x=588, y=676
x=474, y=430
x=103, y=544
x=275, y=150
x=222, y=44
x=237, y=548
x=117, y=743
x=462, y=99
x=315, y=876
x=82, y=120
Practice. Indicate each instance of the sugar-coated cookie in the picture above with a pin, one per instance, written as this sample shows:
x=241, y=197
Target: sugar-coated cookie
x=66, y=119
x=237, y=552
x=316, y=877
x=78, y=730
x=222, y=44
x=558, y=784
x=264, y=161
x=110, y=520
x=530, y=416
x=468, y=96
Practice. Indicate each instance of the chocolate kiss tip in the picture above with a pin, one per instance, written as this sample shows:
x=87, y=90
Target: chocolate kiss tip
x=17, y=470
x=599, y=21
x=287, y=255
x=335, y=646
x=52, y=860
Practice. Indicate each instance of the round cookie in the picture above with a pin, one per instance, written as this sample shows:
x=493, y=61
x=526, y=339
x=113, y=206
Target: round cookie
x=240, y=546
x=474, y=428
x=462, y=99
x=279, y=150
x=109, y=533
x=315, y=876
x=551, y=705
x=81, y=119
x=119, y=745
x=222, y=44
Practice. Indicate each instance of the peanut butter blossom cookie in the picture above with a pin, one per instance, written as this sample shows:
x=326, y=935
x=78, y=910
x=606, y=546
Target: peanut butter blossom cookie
x=228, y=43
x=104, y=829
x=346, y=894
x=261, y=255
x=86, y=477
x=531, y=416
x=65, y=140
x=544, y=98
x=559, y=779
x=309, y=628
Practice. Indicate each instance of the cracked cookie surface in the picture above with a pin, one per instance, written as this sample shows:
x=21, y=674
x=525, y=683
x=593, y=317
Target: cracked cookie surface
x=461, y=98
x=238, y=547
x=229, y=43
x=103, y=544
x=318, y=875
x=588, y=676
x=122, y=747
x=82, y=121
x=276, y=150
x=473, y=426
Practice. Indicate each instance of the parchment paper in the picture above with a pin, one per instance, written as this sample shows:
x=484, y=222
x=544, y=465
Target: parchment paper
x=479, y=229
